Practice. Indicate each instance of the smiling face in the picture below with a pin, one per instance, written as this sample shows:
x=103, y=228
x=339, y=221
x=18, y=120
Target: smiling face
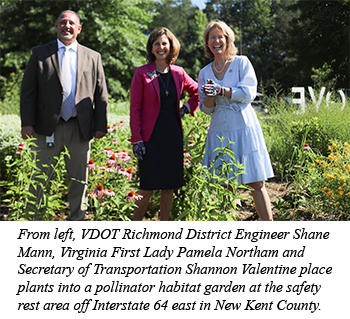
x=161, y=47
x=217, y=42
x=68, y=28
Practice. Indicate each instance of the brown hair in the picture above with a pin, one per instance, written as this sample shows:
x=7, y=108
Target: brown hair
x=174, y=45
x=228, y=32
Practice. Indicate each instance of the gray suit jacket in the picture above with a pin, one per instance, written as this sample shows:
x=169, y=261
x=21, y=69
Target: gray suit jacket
x=42, y=91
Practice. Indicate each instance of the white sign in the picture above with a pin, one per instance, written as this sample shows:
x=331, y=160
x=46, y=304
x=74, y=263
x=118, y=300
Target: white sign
x=301, y=100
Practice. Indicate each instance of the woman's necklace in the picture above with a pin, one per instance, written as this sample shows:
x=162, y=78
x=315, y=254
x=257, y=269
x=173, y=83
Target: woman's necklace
x=216, y=70
x=167, y=82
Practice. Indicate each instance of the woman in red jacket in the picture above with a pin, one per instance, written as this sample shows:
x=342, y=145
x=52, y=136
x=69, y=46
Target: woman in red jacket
x=155, y=120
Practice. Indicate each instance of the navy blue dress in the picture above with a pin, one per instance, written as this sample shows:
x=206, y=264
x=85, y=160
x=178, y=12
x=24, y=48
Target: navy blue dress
x=162, y=165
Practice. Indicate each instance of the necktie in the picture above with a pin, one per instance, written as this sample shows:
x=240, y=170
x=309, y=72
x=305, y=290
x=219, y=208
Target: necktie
x=67, y=103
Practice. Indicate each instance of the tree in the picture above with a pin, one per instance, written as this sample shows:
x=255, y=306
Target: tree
x=319, y=38
x=187, y=23
x=112, y=27
x=264, y=26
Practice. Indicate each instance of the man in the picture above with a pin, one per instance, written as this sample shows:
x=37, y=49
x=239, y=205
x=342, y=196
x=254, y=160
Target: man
x=64, y=103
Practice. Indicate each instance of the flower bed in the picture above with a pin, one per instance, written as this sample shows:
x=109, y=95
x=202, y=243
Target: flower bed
x=318, y=178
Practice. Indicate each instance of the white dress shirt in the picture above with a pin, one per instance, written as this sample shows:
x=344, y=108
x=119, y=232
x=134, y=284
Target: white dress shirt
x=73, y=62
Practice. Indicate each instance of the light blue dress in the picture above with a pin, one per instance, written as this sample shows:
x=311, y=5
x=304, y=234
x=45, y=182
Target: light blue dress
x=236, y=119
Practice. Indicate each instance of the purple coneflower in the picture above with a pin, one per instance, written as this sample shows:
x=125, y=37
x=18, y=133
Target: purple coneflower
x=306, y=147
x=131, y=196
x=127, y=173
x=191, y=143
x=112, y=160
x=91, y=164
x=20, y=147
x=109, y=192
x=113, y=128
x=108, y=151
x=123, y=156
x=187, y=161
x=99, y=190
x=111, y=168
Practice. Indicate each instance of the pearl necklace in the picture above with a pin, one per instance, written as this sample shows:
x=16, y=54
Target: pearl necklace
x=215, y=69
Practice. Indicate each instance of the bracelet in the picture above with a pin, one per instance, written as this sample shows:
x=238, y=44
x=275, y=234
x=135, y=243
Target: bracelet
x=223, y=90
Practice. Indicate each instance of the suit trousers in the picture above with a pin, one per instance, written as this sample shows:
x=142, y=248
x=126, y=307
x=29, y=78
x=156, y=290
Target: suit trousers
x=67, y=134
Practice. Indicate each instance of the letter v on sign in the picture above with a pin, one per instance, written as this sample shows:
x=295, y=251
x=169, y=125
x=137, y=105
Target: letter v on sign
x=311, y=91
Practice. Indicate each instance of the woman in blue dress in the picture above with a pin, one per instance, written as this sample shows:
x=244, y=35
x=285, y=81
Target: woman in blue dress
x=229, y=86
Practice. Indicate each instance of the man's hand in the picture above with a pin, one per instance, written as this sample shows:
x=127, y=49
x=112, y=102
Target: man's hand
x=27, y=132
x=99, y=134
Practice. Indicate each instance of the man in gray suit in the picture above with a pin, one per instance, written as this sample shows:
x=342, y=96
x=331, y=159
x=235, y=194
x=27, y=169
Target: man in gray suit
x=64, y=103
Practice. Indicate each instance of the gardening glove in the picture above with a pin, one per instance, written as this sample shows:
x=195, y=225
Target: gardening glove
x=213, y=89
x=139, y=149
x=184, y=110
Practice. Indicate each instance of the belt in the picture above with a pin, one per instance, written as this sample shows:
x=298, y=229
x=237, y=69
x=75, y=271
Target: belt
x=71, y=118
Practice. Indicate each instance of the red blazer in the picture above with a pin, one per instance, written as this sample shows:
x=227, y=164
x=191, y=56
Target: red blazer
x=145, y=98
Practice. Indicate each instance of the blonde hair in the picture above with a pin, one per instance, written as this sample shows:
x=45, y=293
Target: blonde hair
x=227, y=31
x=174, y=45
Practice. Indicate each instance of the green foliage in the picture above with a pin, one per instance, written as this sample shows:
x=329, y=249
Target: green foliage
x=319, y=183
x=112, y=191
x=10, y=93
x=204, y=199
x=310, y=169
x=113, y=207
x=23, y=166
x=324, y=76
x=312, y=131
x=203, y=196
x=330, y=180
x=122, y=108
x=10, y=126
x=320, y=35
x=115, y=28
x=17, y=195
x=294, y=42
x=187, y=23
x=286, y=128
x=112, y=27
x=264, y=27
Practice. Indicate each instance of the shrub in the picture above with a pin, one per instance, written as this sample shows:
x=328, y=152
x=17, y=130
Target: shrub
x=18, y=196
x=329, y=177
x=203, y=196
x=10, y=93
x=112, y=182
x=10, y=127
x=286, y=129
